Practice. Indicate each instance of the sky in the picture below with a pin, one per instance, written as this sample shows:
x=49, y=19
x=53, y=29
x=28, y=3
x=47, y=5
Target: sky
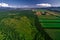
x=29, y=3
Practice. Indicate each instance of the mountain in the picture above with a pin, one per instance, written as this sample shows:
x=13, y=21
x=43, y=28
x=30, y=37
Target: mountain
x=6, y=8
x=56, y=9
x=46, y=8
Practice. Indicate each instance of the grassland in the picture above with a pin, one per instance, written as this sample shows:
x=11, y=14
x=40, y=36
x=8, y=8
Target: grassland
x=50, y=21
x=54, y=33
x=20, y=25
x=51, y=24
x=16, y=25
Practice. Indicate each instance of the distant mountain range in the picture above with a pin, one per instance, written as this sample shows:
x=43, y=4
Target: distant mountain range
x=6, y=8
x=47, y=8
x=52, y=9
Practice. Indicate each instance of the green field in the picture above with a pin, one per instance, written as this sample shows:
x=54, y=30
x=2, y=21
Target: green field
x=51, y=24
x=49, y=21
x=23, y=25
x=54, y=33
x=16, y=25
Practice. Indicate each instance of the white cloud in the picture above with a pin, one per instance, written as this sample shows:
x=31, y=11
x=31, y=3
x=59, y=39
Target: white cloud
x=4, y=5
x=44, y=5
x=7, y=5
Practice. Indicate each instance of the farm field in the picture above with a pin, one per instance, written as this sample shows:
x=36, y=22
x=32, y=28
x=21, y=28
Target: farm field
x=54, y=33
x=49, y=21
x=51, y=24
x=52, y=20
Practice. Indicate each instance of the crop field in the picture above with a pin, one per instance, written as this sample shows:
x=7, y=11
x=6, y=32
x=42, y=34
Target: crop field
x=52, y=20
x=26, y=25
x=54, y=33
x=51, y=24
x=48, y=21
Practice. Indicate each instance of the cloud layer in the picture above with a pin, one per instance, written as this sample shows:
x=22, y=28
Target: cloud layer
x=25, y=6
x=44, y=5
x=7, y=5
x=4, y=5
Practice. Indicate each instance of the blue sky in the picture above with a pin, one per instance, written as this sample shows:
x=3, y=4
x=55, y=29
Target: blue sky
x=30, y=3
